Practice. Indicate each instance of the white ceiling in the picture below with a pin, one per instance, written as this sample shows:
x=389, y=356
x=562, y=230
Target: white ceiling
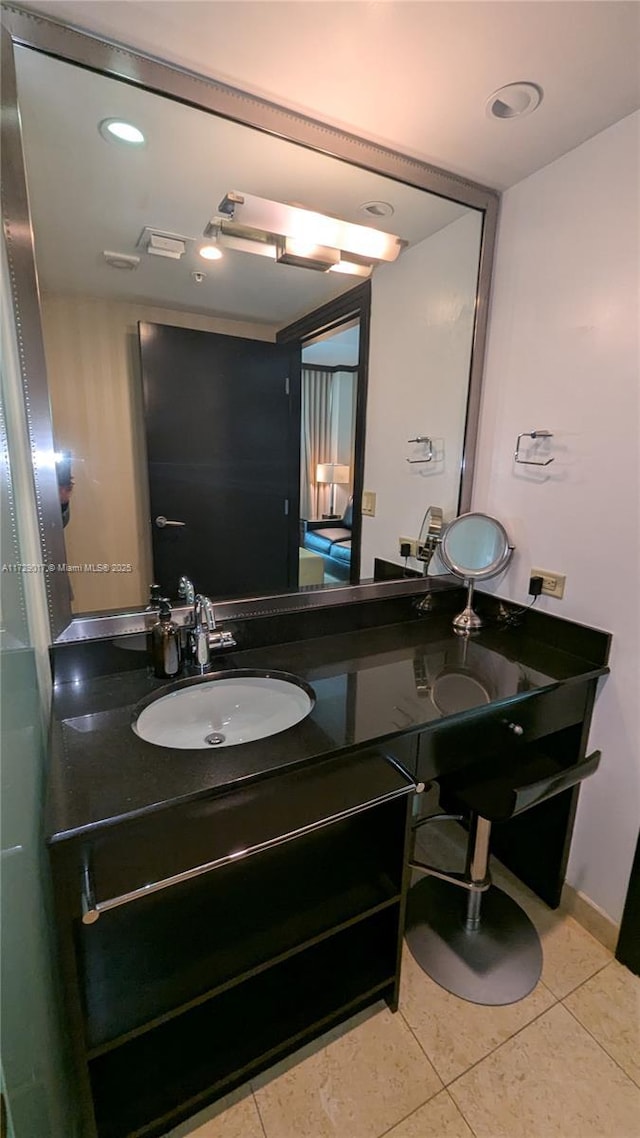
x=88, y=195
x=410, y=74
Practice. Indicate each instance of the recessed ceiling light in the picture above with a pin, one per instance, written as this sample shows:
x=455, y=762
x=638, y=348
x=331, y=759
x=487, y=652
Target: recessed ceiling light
x=116, y=130
x=514, y=101
x=210, y=252
x=378, y=209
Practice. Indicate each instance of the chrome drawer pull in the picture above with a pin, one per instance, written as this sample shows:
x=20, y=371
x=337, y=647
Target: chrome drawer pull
x=516, y=728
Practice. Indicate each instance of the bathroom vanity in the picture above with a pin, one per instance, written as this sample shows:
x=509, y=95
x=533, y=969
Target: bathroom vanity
x=219, y=908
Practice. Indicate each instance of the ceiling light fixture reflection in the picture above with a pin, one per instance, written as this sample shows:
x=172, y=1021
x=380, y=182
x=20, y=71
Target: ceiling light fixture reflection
x=116, y=130
x=352, y=269
x=305, y=254
x=298, y=236
x=210, y=252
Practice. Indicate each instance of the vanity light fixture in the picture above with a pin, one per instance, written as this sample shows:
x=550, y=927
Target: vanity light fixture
x=352, y=269
x=116, y=130
x=514, y=101
x=306, y=255
x=294, y=235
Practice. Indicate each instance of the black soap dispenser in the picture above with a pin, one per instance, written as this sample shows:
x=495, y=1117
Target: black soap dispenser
x=165, y=643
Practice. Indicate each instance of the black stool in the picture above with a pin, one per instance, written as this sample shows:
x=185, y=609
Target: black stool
x=474, y=940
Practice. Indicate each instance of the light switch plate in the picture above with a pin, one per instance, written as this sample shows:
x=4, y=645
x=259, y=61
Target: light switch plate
x=369, y=503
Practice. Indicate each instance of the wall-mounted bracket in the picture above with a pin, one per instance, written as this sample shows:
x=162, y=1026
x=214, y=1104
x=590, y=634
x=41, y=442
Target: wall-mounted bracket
x=532, y=461
x=429, y=444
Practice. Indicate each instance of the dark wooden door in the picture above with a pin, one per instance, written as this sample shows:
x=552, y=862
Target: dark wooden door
x=223, y=453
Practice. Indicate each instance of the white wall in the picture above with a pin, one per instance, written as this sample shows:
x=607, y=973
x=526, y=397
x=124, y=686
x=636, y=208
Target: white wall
x=422, y=312
x=563, y=355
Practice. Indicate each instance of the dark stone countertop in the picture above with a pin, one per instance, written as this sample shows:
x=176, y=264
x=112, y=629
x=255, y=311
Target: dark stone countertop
x=371, y=685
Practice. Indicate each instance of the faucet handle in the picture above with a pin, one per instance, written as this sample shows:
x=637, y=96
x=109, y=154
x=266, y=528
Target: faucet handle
x=186, y=590
x=220, y=640
x=209, y=613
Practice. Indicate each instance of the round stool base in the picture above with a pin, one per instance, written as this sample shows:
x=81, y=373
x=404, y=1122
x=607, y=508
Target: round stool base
x=498, y=963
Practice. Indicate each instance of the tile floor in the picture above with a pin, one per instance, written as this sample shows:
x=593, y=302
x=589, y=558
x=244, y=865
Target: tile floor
x=563, y=1063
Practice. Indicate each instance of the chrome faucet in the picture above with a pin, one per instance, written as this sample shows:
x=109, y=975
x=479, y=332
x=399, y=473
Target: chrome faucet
x=203, y=637
x=203, y=614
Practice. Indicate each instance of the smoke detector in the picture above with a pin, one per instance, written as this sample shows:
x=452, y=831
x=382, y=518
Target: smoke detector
x=120, y=260
x=514, y=101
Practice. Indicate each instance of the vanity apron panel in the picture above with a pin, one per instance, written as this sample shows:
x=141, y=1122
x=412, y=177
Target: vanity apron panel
x=127, y=863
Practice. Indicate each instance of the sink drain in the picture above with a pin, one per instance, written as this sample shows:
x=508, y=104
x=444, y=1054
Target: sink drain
x=215, y=738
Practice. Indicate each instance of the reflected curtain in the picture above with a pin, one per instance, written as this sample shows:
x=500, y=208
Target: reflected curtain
x=316, y=439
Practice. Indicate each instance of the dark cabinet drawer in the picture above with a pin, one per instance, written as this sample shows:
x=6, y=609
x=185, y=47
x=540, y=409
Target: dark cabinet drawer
x=499, y=731
x=163, y=849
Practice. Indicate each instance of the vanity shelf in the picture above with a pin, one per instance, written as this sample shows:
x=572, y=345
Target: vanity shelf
x=146, y=1085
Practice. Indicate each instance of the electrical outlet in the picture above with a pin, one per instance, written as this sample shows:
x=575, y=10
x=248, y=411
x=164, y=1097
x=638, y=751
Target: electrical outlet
x=552, y=583
x=412, y=542
x=368, y=503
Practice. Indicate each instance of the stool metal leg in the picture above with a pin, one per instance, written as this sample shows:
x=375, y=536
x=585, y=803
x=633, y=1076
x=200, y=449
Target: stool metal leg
x=477, y=868
x=480, y=946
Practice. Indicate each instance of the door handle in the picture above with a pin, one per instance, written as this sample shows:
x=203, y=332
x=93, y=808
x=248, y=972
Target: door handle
x=161, y=522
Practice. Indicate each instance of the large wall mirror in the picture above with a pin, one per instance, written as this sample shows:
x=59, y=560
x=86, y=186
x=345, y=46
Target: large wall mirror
x=254, y=349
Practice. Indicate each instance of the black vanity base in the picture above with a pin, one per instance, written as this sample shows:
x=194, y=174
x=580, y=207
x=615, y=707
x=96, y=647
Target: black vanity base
x=498, y=963
x=280, y=872
x=276, y=913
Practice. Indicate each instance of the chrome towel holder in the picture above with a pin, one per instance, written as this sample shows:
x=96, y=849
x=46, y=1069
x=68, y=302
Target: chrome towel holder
x=532, y=461
x=429, y=444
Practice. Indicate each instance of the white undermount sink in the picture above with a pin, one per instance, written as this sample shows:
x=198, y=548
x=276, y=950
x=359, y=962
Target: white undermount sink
x=224, y=709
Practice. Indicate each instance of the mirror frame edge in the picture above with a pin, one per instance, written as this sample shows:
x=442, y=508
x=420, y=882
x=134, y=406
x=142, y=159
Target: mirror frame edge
x=29, y=29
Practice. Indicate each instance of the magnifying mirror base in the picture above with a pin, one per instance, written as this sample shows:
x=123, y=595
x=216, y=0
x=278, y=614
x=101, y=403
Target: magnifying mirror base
x=466, y=622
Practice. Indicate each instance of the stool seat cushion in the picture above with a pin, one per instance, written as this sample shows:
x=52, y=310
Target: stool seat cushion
x=517, y=784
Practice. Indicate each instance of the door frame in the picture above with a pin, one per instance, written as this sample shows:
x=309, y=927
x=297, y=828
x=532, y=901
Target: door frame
x=352, y=305
x=628, y=947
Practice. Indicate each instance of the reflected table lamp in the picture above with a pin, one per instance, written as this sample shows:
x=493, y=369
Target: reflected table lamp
x=332, y=474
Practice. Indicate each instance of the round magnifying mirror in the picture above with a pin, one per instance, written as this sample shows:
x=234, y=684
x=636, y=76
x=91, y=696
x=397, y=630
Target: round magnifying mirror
x=474, y=547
